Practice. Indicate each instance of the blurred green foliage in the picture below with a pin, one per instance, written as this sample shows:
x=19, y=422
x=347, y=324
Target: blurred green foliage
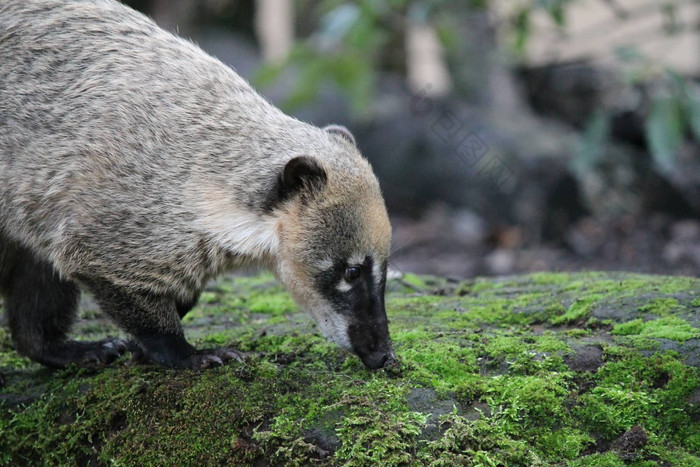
x=350, y=43
x=674, y=111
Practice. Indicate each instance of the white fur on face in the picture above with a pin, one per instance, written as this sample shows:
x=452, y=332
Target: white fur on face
x=332, y=325
x=324, y=264
x=357, y=258
x=377, y=273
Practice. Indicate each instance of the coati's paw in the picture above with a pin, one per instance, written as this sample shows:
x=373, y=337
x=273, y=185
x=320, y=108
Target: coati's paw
x=173, y=351
x=208, y=358
x=86, y=354
x=105, y=351
x=197, y=360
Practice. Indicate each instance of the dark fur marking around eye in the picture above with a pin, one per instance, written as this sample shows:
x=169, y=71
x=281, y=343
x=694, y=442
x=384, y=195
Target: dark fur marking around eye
x=357, y=301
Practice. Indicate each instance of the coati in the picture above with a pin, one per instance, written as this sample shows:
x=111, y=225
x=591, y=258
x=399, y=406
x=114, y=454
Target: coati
x=134, y=165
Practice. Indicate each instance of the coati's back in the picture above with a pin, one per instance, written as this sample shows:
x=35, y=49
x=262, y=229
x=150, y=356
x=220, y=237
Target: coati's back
x=107, y=121
x=136, y=165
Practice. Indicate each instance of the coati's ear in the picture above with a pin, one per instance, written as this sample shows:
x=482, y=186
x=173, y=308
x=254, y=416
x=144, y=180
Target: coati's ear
x=301, y=174
x=342, y=132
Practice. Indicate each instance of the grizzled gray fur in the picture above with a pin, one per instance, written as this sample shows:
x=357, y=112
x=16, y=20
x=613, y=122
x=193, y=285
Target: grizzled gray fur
x=136, y=166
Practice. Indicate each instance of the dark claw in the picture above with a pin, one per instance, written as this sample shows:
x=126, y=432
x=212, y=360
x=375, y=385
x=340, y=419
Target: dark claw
x=137, y=353
x=229, y=354
x=201, y=361
x=209, y=358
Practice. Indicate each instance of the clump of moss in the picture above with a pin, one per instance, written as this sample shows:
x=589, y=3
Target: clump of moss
x=478, y=442
x=578, y=311
x=670, y=327
x=661, y=306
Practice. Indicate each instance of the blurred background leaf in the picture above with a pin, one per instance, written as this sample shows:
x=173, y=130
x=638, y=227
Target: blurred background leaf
x=664, y=130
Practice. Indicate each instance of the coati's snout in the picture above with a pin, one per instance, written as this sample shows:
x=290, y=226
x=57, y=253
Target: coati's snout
x=369, y=333
x=354, y=290
x=334, y=246
x=347, y=301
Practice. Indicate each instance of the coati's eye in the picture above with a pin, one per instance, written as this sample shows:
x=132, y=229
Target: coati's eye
x=352, y=273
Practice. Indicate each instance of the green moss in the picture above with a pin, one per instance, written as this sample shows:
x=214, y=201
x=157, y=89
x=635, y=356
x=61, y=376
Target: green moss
x=527, y=401
x=482, y=285
x=495, y=353
x=477, y=442
x=611, y=410
x=565, y=443
x=669, y=327
x=387, y=436
x=415, y=280
x=548, y=278
x=273, y=304
x=635, y=326
x=678, y=284
x=578, y=333
x=209, y=298
x=608, y=459
x=578, y=311
x=661, y=306
x=551, y=343
x=12, y=360
x=444, y=366
x=505, y=346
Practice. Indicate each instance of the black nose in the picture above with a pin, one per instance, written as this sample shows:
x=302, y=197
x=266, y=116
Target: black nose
x=379, y=359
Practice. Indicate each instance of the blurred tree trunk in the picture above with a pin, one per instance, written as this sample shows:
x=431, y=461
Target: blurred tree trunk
x=425, y=61
x=478, y=67
x=274, y=24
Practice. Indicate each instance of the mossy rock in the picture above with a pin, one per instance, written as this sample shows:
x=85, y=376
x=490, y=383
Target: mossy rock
x=589, y=369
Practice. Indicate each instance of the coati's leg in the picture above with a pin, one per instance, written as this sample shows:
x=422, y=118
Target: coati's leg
x=184, y=307
x=41, y=309
x=8, y=255
x=137, y=353
x=154, y=322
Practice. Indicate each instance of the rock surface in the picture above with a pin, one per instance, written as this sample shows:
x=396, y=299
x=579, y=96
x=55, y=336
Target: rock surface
x=547, y=369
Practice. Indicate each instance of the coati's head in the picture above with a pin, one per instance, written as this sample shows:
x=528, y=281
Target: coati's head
x=334, y=239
